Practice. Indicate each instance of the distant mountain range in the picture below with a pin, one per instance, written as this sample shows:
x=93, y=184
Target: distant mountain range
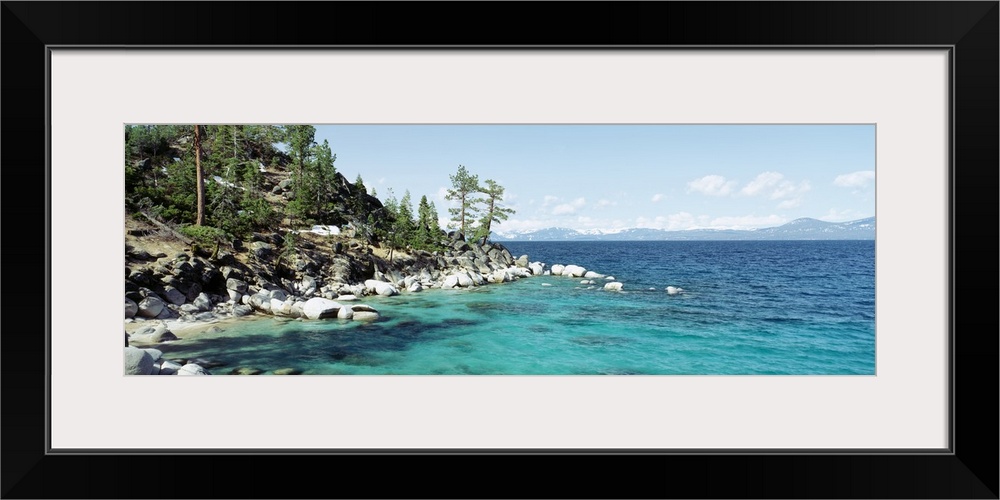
x=798, y=229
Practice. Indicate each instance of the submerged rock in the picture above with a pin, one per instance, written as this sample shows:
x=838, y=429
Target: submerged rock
x=287, y=371
x=673, y=290
x=192, y=369
x=245, y=370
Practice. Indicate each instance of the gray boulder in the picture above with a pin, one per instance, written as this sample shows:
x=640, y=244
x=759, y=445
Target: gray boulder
x=150, y=307
x=131, y=308
x=235, y=284
x=261, y=301
x=155, y=353
x=240, y=310
x=261, y=249
x=168, y=367
x=522, y=261
x=190, y=309
x=152, y=334
x=174, y=295
x=137, y=362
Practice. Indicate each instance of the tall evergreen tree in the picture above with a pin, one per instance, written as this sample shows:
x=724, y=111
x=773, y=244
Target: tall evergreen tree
x=464, y=186
x=493, y=211
x=405, y=226
x=300, y=139
x=199, y=177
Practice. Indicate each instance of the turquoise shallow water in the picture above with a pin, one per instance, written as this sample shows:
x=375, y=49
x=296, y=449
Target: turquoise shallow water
x=750, y=307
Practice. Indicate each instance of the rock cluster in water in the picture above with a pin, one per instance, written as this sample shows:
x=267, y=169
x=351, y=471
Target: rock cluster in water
x=188, y=287
x=311, y=285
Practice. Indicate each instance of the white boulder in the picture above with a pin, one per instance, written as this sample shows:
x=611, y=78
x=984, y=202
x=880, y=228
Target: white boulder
x=364, y=312
x=592, y=274
x=613, y=286
x=319, y=308
x=674, y=290
x=574, y=271
x=345, y=313
x=382, y=288
x=557, y=269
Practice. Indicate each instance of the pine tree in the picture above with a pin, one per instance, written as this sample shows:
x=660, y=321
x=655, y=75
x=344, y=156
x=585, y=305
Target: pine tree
x=464, y=186
x=405, y=227
x=493, y=212
x=199, y=179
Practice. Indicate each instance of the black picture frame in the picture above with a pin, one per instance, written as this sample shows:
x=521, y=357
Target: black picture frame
x=970, y=29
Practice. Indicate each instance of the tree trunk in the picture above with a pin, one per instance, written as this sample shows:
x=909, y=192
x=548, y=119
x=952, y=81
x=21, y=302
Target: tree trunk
x=200, y=219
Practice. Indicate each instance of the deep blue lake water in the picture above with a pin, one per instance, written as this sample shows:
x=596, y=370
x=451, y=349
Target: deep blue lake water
x=748, y=307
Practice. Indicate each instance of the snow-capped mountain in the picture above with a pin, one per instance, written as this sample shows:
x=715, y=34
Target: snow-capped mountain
x=798, y=229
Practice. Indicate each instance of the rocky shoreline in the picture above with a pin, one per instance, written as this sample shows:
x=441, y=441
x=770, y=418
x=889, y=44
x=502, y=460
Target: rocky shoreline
x=171, y=293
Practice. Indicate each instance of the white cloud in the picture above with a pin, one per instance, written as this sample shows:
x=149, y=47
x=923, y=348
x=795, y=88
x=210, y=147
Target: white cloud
x=855, y=179
x=712, y=185
x=606, y=203
x=549, y=200
x=442, y=192
x=788, y=189
x=569, y=208
x=381, y=180
x=657, y=198
x=792, y=203
x=776, y=187
x=762, y=183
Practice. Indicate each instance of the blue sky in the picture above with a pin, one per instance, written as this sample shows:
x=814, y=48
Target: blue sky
x=612, y=177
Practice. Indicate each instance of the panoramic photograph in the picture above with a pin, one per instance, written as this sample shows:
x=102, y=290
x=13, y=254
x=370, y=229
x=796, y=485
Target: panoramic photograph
x=576, y=249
